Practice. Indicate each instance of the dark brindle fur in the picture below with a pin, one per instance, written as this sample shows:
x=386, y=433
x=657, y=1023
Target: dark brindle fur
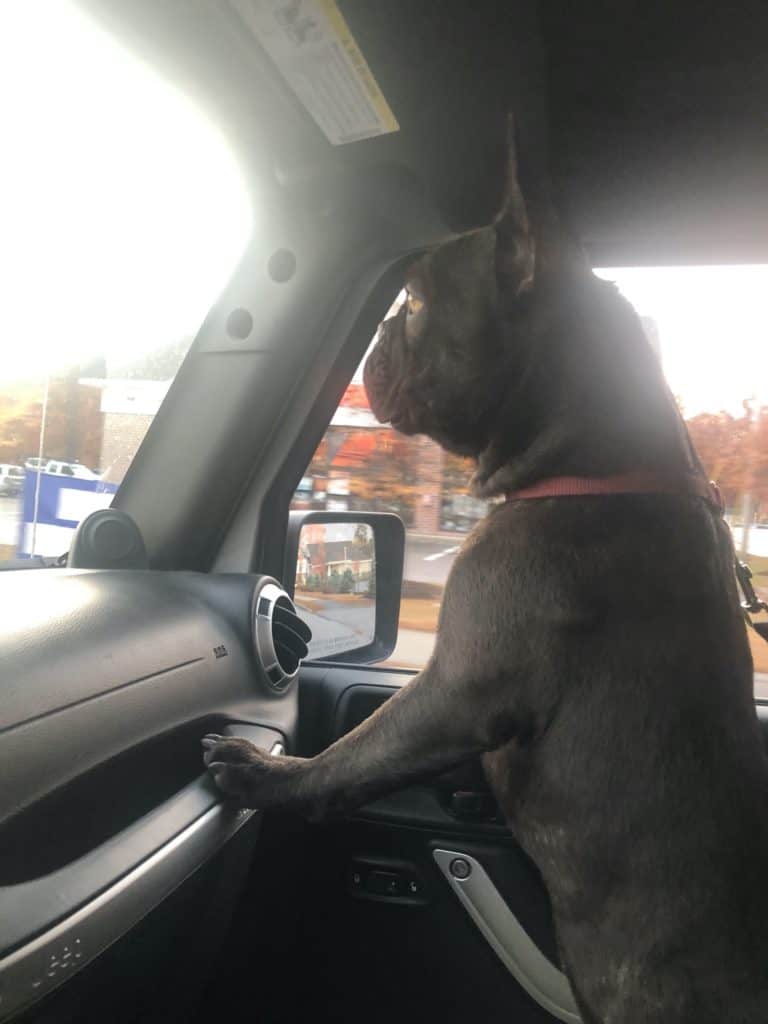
x=591, y=649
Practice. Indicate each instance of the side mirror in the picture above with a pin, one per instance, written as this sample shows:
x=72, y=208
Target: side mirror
x=344, y=571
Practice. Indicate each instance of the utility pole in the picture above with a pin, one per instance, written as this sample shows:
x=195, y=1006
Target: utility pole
x=39, y=473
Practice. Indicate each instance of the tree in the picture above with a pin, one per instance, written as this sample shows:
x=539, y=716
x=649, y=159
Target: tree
x=73, y=425
x=734, y=451
x=362, y=536
x=378, y=464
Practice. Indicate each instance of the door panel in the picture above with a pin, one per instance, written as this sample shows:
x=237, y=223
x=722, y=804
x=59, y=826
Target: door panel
x=312, y=949
x=110, y=679
x=157, y=972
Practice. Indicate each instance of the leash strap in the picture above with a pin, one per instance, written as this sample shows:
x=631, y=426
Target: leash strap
x=751, y=604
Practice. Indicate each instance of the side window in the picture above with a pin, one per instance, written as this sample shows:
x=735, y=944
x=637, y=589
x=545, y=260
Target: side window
x=363, y=465
x=706, y=324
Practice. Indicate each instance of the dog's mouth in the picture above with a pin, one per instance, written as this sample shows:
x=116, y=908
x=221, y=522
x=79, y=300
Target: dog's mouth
x=401, y=423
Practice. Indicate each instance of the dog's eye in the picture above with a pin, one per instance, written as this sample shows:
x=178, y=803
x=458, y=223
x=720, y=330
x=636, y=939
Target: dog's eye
x=413, y=305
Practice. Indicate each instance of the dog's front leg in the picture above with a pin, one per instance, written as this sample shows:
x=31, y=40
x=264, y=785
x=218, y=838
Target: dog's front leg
x=430, y=724
x=469, y=699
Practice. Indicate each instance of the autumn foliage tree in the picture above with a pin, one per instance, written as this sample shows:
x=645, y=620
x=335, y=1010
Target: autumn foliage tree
x=377, y=465
x=73, y=427
x=734, y=450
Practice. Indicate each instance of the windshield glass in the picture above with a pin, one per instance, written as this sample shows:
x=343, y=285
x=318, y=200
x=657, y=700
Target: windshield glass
x=123, y=215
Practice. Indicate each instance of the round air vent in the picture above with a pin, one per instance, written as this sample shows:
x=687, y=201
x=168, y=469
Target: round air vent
x=281, y=636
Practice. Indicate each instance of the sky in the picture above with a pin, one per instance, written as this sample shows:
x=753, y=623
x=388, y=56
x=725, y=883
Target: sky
x=122, y=214
x=713, y=327
x=122, y=211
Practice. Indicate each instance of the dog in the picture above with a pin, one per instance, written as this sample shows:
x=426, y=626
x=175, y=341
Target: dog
x=590, y=647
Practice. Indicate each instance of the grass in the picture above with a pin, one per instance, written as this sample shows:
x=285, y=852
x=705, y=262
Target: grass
x=316, y=599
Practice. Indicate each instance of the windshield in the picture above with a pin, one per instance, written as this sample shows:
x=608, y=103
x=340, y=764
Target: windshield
x=123, y=215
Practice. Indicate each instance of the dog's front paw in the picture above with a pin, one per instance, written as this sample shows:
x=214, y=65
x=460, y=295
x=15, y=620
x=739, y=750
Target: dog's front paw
x=240, y=769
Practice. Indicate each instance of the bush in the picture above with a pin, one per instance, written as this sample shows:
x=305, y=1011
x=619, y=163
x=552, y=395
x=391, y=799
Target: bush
x=332, y=583
x=347, y=582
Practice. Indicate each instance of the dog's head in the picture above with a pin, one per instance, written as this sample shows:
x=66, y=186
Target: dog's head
x=443, y=364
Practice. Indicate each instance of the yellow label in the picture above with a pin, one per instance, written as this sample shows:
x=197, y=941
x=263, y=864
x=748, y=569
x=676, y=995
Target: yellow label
x=355, y=54
x=312, y=47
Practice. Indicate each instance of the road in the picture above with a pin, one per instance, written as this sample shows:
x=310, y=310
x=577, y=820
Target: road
x=758, y=540
x=337, y=625
x=429, y=559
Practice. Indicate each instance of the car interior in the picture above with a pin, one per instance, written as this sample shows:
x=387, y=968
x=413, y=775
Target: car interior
x=129, y=889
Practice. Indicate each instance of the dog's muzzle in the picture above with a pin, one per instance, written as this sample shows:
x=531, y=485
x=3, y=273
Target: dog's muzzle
x=380, y=376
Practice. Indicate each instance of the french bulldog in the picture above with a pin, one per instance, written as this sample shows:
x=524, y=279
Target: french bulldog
x=590, y=648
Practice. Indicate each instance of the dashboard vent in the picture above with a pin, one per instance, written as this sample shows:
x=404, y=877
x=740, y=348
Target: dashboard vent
x=281, y=637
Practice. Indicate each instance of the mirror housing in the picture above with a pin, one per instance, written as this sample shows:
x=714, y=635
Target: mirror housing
x=389, y=554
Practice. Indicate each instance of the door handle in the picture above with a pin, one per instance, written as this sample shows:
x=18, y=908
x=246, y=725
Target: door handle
x=543, y=982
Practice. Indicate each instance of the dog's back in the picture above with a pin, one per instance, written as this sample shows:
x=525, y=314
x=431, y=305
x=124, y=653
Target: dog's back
x=644, y=799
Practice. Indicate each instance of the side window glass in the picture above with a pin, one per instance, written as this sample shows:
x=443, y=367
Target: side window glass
x=707, y=326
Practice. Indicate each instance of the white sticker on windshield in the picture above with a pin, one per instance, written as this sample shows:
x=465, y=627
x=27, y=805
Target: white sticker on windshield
x=317, y=55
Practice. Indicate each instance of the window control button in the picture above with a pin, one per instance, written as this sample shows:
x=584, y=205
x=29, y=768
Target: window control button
x=394, y=882
x=385, y=883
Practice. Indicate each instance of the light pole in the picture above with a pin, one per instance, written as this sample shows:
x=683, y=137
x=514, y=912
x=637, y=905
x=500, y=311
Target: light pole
x=40, y=450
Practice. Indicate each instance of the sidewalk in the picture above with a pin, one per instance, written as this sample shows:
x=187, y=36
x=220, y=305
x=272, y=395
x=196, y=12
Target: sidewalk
x=413, y=649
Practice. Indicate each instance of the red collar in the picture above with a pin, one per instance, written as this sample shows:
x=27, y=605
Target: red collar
x=637, y=482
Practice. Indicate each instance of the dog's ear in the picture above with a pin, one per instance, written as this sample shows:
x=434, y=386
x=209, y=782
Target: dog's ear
x=515, y=254
x=558, y=254
x=532, y=243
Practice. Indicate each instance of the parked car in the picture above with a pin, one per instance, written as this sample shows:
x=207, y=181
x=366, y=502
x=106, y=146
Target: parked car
x=11, y=479
x=73, y=469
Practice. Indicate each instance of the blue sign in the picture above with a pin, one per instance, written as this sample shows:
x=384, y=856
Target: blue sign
x=62, y=502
